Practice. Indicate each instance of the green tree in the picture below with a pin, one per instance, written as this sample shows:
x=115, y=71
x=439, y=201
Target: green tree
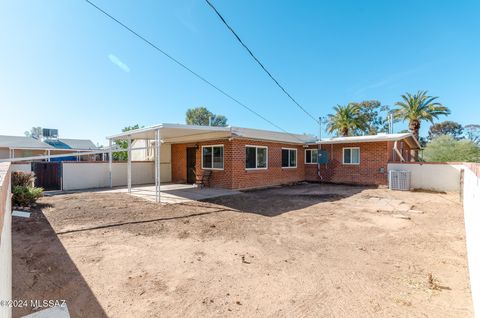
x=446, y=148
x=203, y=117
x=123, y=155
x=472, y=132
x=346, y=121
x=417, y=108
x=375, y=116
x=447, y=127
x=34, y=132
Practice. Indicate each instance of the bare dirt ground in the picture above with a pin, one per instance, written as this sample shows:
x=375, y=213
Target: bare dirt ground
x=303, y=251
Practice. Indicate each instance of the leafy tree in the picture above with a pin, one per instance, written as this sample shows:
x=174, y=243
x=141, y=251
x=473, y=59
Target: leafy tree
x=447, y=127
x=472, y=132
x=34, y=132
x=123, y=155
x=375, y=115
x=346, y=120
x=446, y=148
x=203, y=117
x=219, y=120
x=417, y=108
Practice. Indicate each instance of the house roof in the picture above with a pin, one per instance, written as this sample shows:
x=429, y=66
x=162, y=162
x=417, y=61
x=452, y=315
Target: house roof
x=176, y=133
x=413, y=142
x=22, y=142
x=79, y=144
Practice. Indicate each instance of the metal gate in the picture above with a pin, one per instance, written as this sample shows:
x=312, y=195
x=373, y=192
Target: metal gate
x=48, y=175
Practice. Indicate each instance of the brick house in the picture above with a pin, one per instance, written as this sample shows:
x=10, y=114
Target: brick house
x=243, y=158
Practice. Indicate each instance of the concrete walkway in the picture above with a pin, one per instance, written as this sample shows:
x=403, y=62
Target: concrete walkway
x=176, y=193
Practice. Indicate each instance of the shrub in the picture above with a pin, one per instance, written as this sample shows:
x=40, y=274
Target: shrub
x=25, y=196
x=24, y=179
x=446, y=148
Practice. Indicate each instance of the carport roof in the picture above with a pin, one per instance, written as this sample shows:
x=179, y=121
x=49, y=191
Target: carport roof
x=176, y=133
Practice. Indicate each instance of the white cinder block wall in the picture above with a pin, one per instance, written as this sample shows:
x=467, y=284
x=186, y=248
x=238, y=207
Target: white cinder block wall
x=5, y=241
x=432, y=176
x=471, y=208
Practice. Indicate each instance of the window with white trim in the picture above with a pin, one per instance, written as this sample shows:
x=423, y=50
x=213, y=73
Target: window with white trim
x=351, y=156
x=311, y=155
x=212, y=157
x=256, y=157
x=289, y=158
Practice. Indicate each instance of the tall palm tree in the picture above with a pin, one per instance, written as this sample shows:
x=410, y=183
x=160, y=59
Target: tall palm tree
x=346, y=120
x=417, y=108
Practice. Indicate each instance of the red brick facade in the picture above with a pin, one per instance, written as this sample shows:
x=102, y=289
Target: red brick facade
x=372, y=169
x=234, y=175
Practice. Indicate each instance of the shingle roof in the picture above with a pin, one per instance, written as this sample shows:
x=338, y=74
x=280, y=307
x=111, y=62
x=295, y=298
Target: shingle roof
x=19, y=142
x=22, y=142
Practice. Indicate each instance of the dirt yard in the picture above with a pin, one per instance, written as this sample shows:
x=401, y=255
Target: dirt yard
x=303, y=251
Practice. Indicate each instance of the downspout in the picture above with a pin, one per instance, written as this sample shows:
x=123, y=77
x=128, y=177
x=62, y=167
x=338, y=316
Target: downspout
x=318, y=163
x=398, y=151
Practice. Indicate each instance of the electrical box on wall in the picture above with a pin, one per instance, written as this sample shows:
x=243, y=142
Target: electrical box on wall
x=322, y=156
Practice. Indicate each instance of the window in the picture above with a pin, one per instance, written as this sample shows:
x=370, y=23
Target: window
x=212, y=157
x=289, y=158
x=256, y=157
x=311, y=155
x=351, y=156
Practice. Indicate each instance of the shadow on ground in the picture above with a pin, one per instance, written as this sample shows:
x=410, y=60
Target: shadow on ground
x=43, y=270
x=271, y=202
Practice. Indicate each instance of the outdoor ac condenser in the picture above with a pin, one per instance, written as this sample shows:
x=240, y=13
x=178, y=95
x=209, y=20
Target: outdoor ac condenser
x=399, y=180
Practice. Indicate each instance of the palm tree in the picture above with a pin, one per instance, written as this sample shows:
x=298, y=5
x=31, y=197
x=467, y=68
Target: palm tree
x=417, y=108
x=346, y=120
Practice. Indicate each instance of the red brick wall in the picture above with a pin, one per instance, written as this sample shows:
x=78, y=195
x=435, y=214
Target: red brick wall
x=373, y=157
x=274, y=175
x=219, y=178
x=234, y=175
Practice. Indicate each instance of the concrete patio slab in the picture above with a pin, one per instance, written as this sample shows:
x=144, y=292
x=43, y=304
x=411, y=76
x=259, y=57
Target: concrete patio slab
x=176, y=193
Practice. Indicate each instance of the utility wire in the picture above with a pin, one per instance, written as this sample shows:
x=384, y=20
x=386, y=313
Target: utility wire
x=260, y=63
x=188, y=69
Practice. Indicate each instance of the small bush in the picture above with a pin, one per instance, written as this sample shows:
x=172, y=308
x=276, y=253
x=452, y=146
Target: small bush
x=23, y=179
x=25, y=196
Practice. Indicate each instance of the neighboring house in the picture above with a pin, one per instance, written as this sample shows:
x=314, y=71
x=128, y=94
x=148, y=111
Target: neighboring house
x=20, y=147
x=242, y=158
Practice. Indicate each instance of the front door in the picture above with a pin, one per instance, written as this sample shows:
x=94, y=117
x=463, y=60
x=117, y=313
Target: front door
x=191, y=154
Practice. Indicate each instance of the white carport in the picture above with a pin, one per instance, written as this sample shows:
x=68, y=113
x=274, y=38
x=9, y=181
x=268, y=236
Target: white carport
x=164, y=134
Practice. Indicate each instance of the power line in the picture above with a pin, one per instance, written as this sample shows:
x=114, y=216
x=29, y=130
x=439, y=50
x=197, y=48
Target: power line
x=258, y=61
x=187, y=68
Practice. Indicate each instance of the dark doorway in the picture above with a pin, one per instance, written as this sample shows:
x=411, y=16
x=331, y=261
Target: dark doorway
x=48, y=175
x=191, y=159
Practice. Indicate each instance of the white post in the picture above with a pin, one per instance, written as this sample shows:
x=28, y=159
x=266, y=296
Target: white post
x=48, y=154
x=129, y=165
x=110, y=162
x=157, y=165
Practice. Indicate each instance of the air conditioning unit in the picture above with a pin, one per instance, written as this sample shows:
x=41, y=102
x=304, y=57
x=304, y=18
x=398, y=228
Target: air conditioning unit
x=50, y=133
x=399, y=180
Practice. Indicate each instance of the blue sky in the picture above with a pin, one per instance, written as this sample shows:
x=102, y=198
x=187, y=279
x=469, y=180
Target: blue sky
x=64, y=65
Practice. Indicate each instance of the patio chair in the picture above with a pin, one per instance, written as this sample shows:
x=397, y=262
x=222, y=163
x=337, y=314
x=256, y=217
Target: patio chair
x=203, y=179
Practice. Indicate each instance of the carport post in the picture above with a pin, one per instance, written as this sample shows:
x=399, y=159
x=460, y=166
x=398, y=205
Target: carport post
x=110, y=162
x=129, y=165
x=157, y=165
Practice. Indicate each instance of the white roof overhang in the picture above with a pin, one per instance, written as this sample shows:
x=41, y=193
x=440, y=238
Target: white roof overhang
x=411, y=140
